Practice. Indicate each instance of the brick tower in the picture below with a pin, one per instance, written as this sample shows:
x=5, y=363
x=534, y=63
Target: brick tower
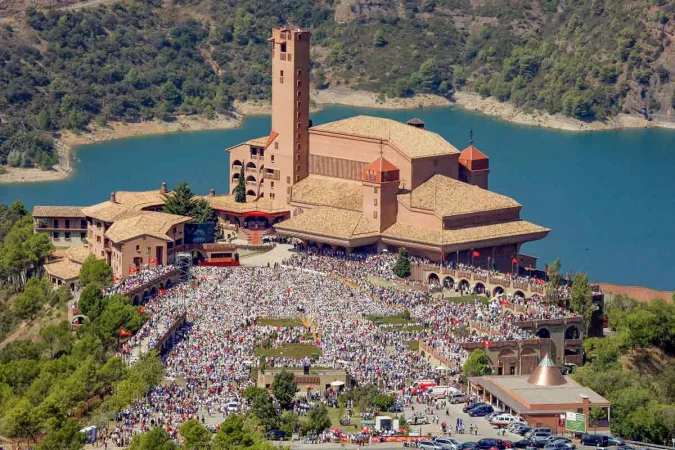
x=287, y=154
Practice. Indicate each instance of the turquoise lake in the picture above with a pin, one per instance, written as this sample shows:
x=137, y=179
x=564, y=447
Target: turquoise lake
x=608, y=196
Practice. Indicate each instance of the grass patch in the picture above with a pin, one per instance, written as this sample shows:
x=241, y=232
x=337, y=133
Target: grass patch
x=296, y=351
x=286, y=322
x=414, y=345
x=390, y=320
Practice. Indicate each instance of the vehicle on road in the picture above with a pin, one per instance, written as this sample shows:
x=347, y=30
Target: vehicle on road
x=276, y=435
x=232, y=406
x=559, y=445
x=417, y=419
x=420, y=386
x=503, y=420
x=468, y=446
x=541, y=438
x=488, y=443
x=447, y=443
x=595, y=440
x=430, y=445
x=457, y=397
x=539, y=430
x=524, y=443
x=521, y=429
x=439, y=391
x=614, y=440
x=470, y=406
x=481, y=411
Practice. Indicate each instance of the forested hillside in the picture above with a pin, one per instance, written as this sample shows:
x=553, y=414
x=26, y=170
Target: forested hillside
x=134, y=61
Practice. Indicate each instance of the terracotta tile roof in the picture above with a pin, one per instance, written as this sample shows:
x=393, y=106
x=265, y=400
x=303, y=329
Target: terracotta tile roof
x=258, y=142
x=149, y=223
x=380, y=165
x=126, y=203
x=63, y=270
x=330, y=222
x=273, y=135
x=470, y=235
x=58, y=211
x=328, y=191
x=449, y=197
x=471, y=153
x=78, y=253
x=412, y=141
x=227, y=203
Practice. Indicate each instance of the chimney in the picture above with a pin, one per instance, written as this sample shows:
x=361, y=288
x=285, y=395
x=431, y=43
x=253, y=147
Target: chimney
x=112, y=198
x=212, y=193
x=163, y=190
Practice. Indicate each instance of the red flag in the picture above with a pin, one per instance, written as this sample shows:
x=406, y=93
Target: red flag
x=476, y=254
x=124, y=333
x=515, y=260
x=141, y=310
x=152, y=260
x=162, y=291
x=132, y=270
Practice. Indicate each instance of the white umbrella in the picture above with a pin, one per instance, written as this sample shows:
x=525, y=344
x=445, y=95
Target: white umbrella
x=337, y=383
x=440, y=368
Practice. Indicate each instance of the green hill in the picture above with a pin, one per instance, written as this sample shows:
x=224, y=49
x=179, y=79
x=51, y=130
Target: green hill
x=64, y=69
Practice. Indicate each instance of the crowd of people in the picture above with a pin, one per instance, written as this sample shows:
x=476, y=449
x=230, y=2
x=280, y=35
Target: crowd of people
x=214, y=354
x=134, y=281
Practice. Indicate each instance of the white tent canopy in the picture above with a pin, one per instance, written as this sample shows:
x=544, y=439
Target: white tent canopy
x=337, y=383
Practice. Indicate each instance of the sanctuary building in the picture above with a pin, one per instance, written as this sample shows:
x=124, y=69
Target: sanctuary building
x=368, y=181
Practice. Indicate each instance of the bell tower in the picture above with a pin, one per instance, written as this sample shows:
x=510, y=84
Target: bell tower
x=287, y=154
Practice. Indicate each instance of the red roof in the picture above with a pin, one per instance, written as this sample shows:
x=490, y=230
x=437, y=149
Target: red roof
x=380, y=165
x=273, y=135
x=471, y=153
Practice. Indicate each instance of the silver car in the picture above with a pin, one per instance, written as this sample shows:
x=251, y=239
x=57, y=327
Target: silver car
x=430, y=445
x=447, y=443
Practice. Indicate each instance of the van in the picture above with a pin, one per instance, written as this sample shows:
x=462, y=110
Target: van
x=420, y=386
x=595, y=440
x=438, y=391
x=457, y=397
x=539, y=430
x=502, y=420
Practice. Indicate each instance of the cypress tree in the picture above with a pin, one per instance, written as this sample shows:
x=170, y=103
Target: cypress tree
x=240, y=190
x=402, y=267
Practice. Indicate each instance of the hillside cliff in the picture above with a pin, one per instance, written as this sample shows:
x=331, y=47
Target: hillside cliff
x=63, y=68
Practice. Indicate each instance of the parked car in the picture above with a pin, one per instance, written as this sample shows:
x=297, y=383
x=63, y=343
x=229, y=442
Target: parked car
x=625, y=447
x=562, y=439
x=430, y=445
x=559, y=445
x=397, y=407
x=521, y=429
x=417, y=419
x=541, y=438
x=481, y=411
x=524, y=443
x=494, y=413
x=614, y=440
x=539, y=430
x=470, y=445
x=447, y=443
x=503, y=420
x=276, y=435
x=487, y=444
x=457, y=397
x=470, y=406
x=595, y=440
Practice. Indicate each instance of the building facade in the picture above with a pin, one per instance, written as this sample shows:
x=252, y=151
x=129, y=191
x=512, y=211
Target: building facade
x=66, y=226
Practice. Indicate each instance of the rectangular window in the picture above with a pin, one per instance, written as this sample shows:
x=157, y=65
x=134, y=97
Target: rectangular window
x=374, y=214
x=375, y=202
x=83, y=224
x=67, y=235
x=290, y=57
x=288, y=190
x=55, y=235
x=272, y=157
x=98, y=239
x=297, y=167
x=298, y=93
x=276, y=145
x=375, y=190
x=67, y=223
x=299, y=72
x=83, y=235
x=299, y=83
x=147, y=250
x=288, y=180
x=272, y=184
x=297, y=157
x=281, y=73
x=283, y=47
x=299, y=104
x=297, y=178
x=297, y=115
x=56, y=223
x=138, y=248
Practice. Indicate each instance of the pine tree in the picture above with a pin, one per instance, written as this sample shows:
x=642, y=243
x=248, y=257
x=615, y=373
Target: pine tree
x=182, y=202
x=581, y=299
x=240, y=190
x=402, y=267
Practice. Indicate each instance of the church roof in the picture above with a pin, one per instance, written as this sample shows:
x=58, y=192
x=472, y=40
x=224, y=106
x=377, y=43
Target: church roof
x=331, y=223
x=58, y=211
x=412, y=141
x=328, y=191
x=547, y=374
x=449, y=197
x=380, y=165
x=471, y=153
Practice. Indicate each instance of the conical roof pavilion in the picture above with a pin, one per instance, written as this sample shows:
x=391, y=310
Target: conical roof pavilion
x=547, y=374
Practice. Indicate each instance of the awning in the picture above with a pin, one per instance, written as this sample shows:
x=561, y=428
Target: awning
x=262, y=214
x=337, y=383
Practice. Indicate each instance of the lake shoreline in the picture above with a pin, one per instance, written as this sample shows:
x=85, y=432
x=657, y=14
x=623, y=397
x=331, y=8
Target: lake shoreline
x=339, y=96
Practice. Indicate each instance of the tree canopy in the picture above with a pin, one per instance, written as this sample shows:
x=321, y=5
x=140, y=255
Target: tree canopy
x=477, y=364
x=183, y=202
x=96, y=271
x=284, y=388
x=402, y=267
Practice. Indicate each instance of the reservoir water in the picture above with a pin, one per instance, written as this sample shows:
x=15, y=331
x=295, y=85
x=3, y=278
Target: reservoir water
x=608, y=196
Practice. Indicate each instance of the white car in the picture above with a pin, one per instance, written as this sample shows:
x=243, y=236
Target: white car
x=233, y=406
x=430, y=445
x=503, y=420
